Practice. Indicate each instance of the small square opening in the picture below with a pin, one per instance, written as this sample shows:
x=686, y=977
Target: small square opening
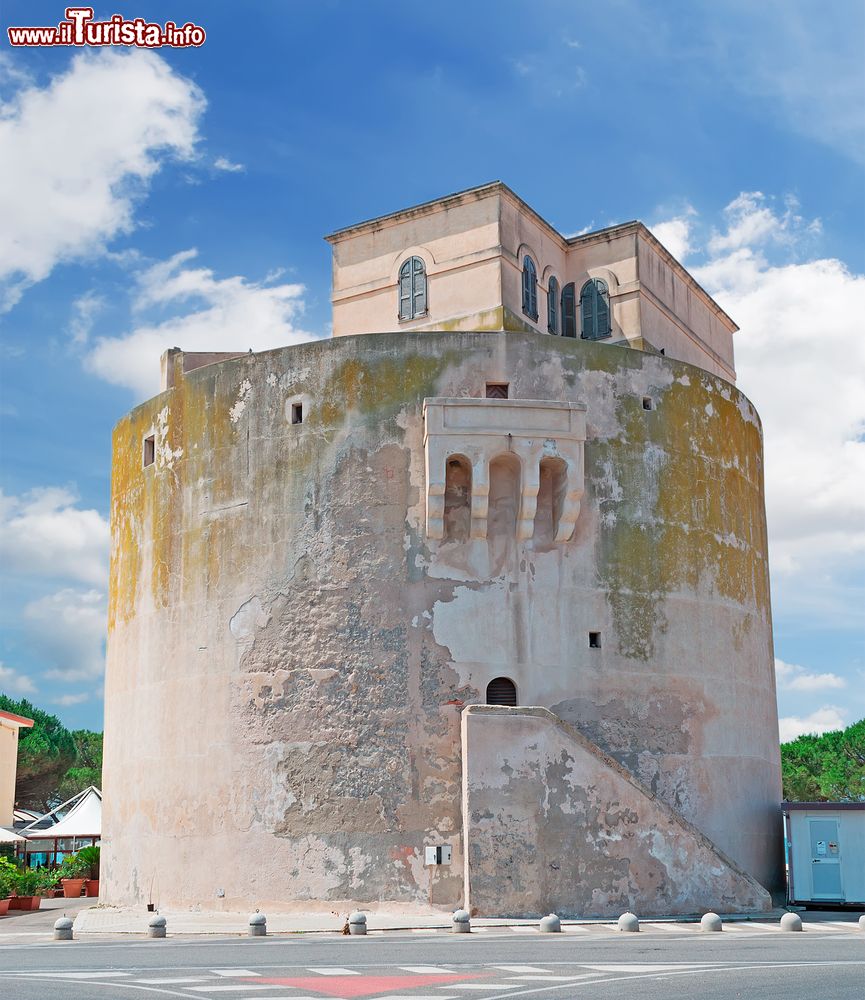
x=648, y=403
x=297, y=413
x=594, y=640
x=497, y=390
x=663, y=352
x=149, y=450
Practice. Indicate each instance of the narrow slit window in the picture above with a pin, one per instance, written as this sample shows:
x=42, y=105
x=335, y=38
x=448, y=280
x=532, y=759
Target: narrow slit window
x=149, y=450
x=648, y=403
x=297, y=413
x=594, y=640
x=497, y=390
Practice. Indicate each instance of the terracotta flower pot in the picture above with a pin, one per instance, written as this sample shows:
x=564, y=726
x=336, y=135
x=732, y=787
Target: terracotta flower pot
x=72, y=887
x=25, y=902
x=4, y=907
x=92, y=887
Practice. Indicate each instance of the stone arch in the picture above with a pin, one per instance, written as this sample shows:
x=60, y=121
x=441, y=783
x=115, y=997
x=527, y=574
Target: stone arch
x=552, y=492
x=416, y=251
x=501, y=691
x=458, y=498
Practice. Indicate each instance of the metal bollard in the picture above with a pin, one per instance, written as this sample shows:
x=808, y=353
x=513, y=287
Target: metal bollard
x=63, y=929
x=711, y=922
x=791, y=922
x=628, y=922
x=357, y=923
x=156, y=927
x=461, y=922
x=551, y=924
x=257, y=925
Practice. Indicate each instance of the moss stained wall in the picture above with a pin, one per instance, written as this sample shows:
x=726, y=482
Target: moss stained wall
x=289, y=654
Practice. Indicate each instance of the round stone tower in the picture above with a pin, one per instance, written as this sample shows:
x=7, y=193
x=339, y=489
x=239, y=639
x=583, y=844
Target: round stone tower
x=325, y=556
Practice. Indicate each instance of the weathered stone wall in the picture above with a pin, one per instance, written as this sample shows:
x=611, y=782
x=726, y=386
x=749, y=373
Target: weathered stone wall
x=289, y=652
x=554, y=826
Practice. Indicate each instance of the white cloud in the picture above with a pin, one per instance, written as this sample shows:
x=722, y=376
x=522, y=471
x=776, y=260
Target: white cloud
x=13, y=682
x=43, y=533
x=85, y=309
x=223, y=163
x=792, y=677
x=78, y=153
x=752, y=222
x=71, y=699
x=67, y=629
x=675, y=235
x=824, y=720
x=223, y=314
x=800, y=357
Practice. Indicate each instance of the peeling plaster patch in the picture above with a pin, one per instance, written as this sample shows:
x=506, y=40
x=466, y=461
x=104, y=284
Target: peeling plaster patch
x=709, y=410
x=272, y=378
x=319, y=674
x=244, y=622
x=163, y=455
x=236, y=411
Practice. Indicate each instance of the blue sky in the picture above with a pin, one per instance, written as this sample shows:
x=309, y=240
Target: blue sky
x=180, y=196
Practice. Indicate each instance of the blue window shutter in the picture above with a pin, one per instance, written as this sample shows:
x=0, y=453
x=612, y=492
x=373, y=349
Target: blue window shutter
x=530, y=288
x=405, y=291
x=419, y=288
x=602, y=310
x=569, y=310
x=552, y=305
x=587, y=311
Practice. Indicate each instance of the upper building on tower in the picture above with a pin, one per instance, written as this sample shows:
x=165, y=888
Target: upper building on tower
x=483, y=259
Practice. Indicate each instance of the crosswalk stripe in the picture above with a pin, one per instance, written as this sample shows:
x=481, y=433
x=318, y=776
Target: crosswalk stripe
x=331, y=971
x=235, y=988
x=167, y=981
x=519, y=968
x=525, y=930
x=556, y=979
x=234, y=972
x=479, y=986
x=426, y=970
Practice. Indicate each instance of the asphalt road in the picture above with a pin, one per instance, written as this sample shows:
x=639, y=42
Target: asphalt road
x=826, y=962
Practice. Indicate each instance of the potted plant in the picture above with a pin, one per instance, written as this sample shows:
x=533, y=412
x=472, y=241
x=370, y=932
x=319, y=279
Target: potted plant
x=7, y=883
x=27, y=886
x=49, y=880
x=73, y=875
x=91, y=856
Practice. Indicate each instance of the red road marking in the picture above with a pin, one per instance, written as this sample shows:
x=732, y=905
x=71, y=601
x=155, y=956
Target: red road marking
x=365, y=986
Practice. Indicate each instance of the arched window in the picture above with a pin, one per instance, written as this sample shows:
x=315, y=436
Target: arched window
x=553, y=306
x=412, y=289
x=594, y=310
x=501, y=691
x=569, y=310
x=530, y=288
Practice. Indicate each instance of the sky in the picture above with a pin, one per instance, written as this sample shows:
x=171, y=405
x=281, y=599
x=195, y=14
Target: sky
x=178, y=197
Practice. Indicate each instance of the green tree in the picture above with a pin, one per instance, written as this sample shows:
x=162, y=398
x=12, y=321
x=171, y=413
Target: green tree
x=827, y=767
x=87, y=769
x=45, y=754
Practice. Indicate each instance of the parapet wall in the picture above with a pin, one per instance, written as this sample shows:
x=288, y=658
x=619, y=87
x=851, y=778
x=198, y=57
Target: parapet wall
x=291, y=649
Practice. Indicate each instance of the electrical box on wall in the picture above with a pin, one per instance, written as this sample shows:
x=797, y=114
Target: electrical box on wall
x=440, y=855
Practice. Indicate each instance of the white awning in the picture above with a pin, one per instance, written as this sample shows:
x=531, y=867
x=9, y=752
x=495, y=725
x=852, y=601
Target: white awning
x=84, y=819
x=10, y=836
